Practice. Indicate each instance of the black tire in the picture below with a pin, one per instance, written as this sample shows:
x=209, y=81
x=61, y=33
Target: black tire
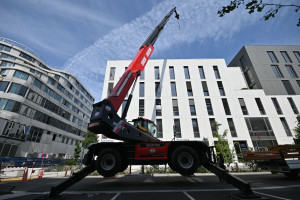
x=185, y=160
x=291, y=174
x=108, y=162
x=123, y=167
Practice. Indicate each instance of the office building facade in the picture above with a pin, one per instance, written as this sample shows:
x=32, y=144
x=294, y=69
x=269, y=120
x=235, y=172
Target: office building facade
x=42, y=110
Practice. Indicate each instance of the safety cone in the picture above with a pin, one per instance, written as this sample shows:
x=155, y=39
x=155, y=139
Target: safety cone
x=41, y=173
x=24, y=179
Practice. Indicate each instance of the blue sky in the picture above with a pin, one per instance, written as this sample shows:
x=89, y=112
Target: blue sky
x=79, y=36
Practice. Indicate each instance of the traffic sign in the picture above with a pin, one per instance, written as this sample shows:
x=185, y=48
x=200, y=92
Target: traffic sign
x=44, y=155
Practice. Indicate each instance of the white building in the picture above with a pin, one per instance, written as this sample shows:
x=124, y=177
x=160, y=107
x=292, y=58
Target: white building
x=193, y=93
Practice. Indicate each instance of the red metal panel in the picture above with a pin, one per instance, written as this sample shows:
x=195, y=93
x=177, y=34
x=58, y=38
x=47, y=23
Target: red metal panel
x=152, y=151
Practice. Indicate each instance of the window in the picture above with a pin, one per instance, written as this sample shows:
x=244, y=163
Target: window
x=17, y=89
x=243, y=106
x=7, y=64
x=298, y=82
x=6, y=56
x=3, y=85
x=21, y=75
x=158, y=107
x=175, y=107
x=156, y=73
x=57, y=77
x=36, y=73
x=110, y=88
x=157, y=89
x=142, y=75
x=277, y=71
x=221, y=89
x=142, y=89
x=201, y=72
x=173, y=89
x=285, y=126
x=272, y=57
x=249, y=78
x=4, y=72
x=192, y=107
x=277, y=106
x=293, y=105
x=112, y=73
x=286, y=57
x=54, y=137
x=205, y=89
x=189, y=89
x=51, y=81
x=5, y=48
x=195, y=128
x=231, y=127
x=177, y=128
x=226, y=107
x=27, y=57
x=297, y=54
x=141, y=107
x=186, y=72
x=291, y=71
x=216, y=71
x=60, y=88
x=260, y=106
x=159, y=128
x=244, y=62
x=289, y=89
x=213, y=126
x=209, y=107
x=172, y=73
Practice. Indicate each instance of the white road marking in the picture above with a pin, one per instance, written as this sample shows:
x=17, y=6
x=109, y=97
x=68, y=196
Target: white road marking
x=271, y=196
x=200, y=180
x=191, y=180
x=115, y=197
x=189, y=196
x=148, y=180
x=107, y=181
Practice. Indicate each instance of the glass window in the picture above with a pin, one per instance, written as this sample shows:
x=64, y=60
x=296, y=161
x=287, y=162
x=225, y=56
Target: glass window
x=291, y=71
x=277, y=106
x=209, y=107
x=142, y=75
x=272, y=57
x=27, y=57
x=172, y=73
x=293, y=105
x=175, y=107
x=156, y=73
x=195, y=128
x=277, y=71
x=205, y=89
x=5, y=48
x=7, y=64
x=243, y=106
x=21, y=75
x=192, y=107
x=177, y=128
x=142, y=89
x=286, y=57
x=51, y=81
x=189, y=89
x=213, y=126
x=249, y=77
x=201, y=72
x=221, y=88
x=17, y=89
x=186, y=72
x=3, y=85
x=157, y=89
x=173, y=89
x=60, y=88
x=112, y=73
x=57, y=77
x=285, y=126
x=4, y=72
x=6, y=56
x=159, y=128
x=287, y=85
x=231, y=127
x=110, y=88
x=141, y=107
x=226, y=107
x=244, y=62
x=3, y=103
x=216, y=71
x=260, y=106
x=297, y=54
x=158, y=107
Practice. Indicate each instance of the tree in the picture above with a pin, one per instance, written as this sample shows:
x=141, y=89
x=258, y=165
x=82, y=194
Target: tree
x=222, y=146
x=297, y=128
x=77, y=151
x=89, y=138
x=258, y=6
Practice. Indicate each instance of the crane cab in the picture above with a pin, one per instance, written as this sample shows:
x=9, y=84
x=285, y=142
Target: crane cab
x=146, y=126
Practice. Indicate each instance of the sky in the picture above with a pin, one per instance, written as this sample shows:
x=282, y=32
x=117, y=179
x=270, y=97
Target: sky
x=80, y=36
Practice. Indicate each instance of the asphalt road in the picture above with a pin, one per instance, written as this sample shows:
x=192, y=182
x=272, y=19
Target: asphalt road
x=156, y=187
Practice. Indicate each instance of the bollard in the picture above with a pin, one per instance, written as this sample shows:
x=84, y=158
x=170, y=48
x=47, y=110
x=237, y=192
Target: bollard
x=24, y=179
x=41, y=173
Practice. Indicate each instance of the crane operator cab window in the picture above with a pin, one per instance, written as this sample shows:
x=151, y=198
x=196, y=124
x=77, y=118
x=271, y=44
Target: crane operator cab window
x=146, y=126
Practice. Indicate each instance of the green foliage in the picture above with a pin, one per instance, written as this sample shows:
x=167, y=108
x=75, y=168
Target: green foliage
x=89, y=138
x=71, y=162
x=257, y=6
x=155, y=169
x=201, y=169
x=297, y=128
x=77, y=151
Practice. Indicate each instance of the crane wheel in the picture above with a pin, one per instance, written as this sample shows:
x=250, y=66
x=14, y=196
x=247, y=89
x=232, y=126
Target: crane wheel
x=185, y=160
x=108, y=162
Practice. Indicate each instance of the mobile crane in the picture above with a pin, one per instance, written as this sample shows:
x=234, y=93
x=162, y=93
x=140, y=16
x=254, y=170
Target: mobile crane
x=140, y=145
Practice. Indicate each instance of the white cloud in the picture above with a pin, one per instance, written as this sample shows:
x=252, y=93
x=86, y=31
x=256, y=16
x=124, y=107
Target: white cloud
x=199, y=22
